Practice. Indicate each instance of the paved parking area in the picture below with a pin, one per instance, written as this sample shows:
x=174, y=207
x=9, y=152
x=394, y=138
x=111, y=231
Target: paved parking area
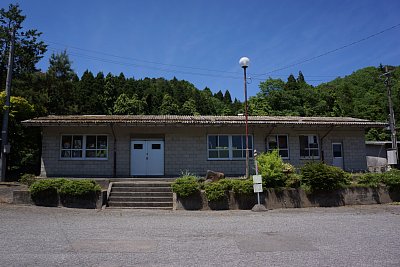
x=344, y=236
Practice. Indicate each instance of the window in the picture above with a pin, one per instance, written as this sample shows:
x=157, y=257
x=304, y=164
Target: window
x=228, y=146
x=279, y=142
x=309, y=146
x=84, y=147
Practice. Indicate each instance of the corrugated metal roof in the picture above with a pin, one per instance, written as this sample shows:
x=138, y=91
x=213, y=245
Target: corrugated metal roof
x=98, y=120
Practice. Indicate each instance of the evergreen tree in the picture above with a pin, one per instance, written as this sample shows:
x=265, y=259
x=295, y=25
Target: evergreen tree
x=28, y=49
x=110, y=94
x=291, y=83
x=227, y=98
x=61, y=79
x=300, y=78
x=219, y=95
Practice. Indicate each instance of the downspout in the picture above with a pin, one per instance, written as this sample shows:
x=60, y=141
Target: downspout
x=322, y=143
x=114, y=151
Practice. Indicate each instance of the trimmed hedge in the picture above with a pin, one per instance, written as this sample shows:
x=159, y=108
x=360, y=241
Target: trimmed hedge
x=215, y=191
x=47, y=192
x=77, y=188
x=186, y=186
x=243, y=187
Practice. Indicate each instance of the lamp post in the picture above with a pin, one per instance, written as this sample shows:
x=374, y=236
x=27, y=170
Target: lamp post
x=244, y=62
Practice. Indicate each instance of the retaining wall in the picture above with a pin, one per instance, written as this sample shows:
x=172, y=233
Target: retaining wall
x=292, y=198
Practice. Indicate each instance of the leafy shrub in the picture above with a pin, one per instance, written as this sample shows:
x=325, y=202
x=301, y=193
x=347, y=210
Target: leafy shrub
x=227, y=184
x=45, y=192
x=293, y=181
x=186, y=185
x=27, y=179
x=273, y=170
x=215, y=191
x=392, y=178
x=319, y=176
x=370, y=179
x=243, y=187
x=46, y=185
x=79, y=188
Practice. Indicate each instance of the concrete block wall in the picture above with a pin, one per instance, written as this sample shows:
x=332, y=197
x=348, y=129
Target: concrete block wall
x=54, y=166
x=186, y=149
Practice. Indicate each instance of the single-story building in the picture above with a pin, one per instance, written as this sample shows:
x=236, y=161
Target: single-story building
x=155, y=145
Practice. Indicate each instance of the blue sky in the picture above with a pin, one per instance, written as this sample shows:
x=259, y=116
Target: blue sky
x=202, y=41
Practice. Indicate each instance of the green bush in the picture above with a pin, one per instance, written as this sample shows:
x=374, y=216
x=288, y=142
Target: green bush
x=226, y=183
x=392, y=178
x=45, y=192
x=46, y=185
x=243, y=187
x=273, y=170
x=319, y=176
x=215, y=191
x=370, y=179
x=293, y=181
x=79, y=188
x=186, y=185
x=27, y=179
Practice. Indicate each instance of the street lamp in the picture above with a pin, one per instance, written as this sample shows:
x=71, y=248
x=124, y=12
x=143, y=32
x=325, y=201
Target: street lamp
x=244, y=62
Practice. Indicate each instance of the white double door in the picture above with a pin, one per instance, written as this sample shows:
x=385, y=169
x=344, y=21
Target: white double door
x=147, y=157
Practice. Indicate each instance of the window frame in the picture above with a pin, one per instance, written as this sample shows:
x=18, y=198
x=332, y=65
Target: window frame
x=83, y=148
x=277, y=144
x=308, y=148
x=230, y=148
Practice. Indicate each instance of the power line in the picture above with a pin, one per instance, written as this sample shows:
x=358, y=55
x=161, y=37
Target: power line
x=204, y=69
x=139, y=60
x=329, y=52
x=105, y=60
x=148, y=67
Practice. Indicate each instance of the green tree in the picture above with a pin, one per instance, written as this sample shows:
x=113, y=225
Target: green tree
x=291, y=83
x=270, y=85
x=169, y=106
x=25, y=143
x=125, y=105
x=219, y=95
x=89, y=93
x=60, y=84
x=32, y=87
x=227, y=98
x=110, y=94
x=189, y=108
x=300, y=79
x=28, y=49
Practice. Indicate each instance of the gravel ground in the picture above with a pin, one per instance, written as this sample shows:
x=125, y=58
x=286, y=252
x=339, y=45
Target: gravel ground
x=344, y=236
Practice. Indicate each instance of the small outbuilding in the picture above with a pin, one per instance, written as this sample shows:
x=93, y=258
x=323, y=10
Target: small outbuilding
x=165, y=146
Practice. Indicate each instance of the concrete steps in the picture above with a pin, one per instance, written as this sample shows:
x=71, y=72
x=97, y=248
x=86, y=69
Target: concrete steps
x=141, y=195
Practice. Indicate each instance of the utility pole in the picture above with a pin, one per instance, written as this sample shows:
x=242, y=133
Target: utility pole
x=392, y=124
x=5, y=147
